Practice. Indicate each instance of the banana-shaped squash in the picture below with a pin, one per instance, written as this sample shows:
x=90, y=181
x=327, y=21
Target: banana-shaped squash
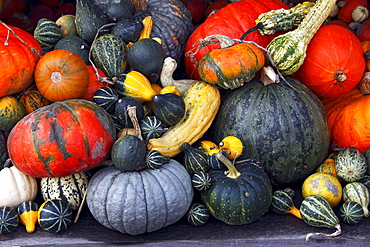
x=202, y=101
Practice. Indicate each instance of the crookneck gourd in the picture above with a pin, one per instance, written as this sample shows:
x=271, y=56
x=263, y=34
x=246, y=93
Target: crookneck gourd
x=288, y=50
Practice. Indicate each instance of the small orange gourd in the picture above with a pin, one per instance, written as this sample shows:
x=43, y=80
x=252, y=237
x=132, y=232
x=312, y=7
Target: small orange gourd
x=32, y=99
x=232, y=146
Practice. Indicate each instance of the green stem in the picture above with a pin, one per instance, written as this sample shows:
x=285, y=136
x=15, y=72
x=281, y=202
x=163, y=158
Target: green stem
x=233, y=172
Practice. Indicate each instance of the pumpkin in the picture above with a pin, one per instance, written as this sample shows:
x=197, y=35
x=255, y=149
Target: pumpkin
x=9, y=220
x=154, y=159
x=74, y=44
x=232, y=21
x=63, y=138
x=16, y=187
x=328, y=74
x=55, y=215
x=347, y=120
x=232, y=65
x=140, y=201
x=71, y=188
x=362, y=31
x=198, y=214
x=47, y=34
x=11, y=111
x=18, y=58
x=201, y=181
x=61, y=75
x=32, y=99
x=194, y=160
x=351, y=212
x=240, y=195
x=27, y=212
x=95, y=82
x=153, y=126
x=121, y=111
x=215, y=6
x=281, y=125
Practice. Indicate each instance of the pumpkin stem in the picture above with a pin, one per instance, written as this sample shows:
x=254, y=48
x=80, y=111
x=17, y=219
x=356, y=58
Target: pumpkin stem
x=256, y=27
x=340, y=77
x=232, y=171
x=131, y=111
x=334, y=234
x=268, y=76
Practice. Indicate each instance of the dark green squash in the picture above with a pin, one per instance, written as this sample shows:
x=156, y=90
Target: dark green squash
x=351, y=212
x=146, y=56
x=365, y=180
x=27, y=212
x=55, y=215
x=120, y=111
x=239, y=196
x=119, y=9
x=194, y=159
x=9, y=220
x=109, y=54
x=47, y=34
x=152, y=125
x=169, y=108
x=106, y=98
x=74, y=44
x=198, y=214
x=89, y=18
x=128, y=30
x=154, y=159
x=282, y=203
x=282, y=125
x=201, y=181
x=128, y=153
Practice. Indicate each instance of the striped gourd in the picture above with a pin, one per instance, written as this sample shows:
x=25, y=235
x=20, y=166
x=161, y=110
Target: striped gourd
x=152, y=125
x=201, y=181
x=351, y=212
x=288, y=50
x=155, y=159
x=106, y=97
x=359, y=193
x=109, y=53
x=198, y=214
x=365, y=180
x=27, y=212
x=195, y=160
x=282, y=203
x=316, y=211
x=47, y=34
x=210, y=148
x=70, y=188
x=55, y=215
x=9, y=220
x=350, y=165
x=169, y=108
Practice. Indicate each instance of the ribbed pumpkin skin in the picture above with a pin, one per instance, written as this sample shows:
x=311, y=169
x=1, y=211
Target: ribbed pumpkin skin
x=284, y=129
x=16, y=57
x=139, y=202
x=241, y=200
x=327, y=55
x=233, y=21
x=55, y=216
x=9, y=220
x=61, y=139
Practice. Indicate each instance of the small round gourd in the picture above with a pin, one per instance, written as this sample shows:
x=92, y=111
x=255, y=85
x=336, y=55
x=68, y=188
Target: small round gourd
x=121, y=107
x=11, y=111
x=351, y=212
x=350, y=165
x=232, y=146
x=195, y=160
x=47, y=34
x=154, y=159
x=128, y=153
x=55, y=215
x=198, y=214
x=106, y=97
x=151, y=124
x=28, y=212
x=169, y=108
x=201, y=181
x=32, y=100
x=359, y=193
x=9, y=220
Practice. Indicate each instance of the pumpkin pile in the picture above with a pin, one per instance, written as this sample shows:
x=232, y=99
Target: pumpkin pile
x=150, y=111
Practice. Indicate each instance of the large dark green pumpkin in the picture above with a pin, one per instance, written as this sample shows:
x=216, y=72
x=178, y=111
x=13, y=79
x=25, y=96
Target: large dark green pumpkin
x=282, y=126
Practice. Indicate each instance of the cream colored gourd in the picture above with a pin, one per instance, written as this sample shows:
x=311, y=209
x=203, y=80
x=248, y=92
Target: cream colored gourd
x=166, y=77
x=16, y=186
x=288, y=50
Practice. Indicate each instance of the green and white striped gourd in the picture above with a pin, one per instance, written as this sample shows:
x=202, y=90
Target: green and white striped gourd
x=359, y=193
x=106, y=98
x=316, y=211
x=55, y=215
x=154, y=159
x=151, y=123
x=350, y=165
x=201, y=181
x=195, y=160
x=351, y=212
x=288, y=50
x=47, y=33
x=282, y=203
x=198, y=214
x=9, y=220
x=70, y=188
x=109, y=53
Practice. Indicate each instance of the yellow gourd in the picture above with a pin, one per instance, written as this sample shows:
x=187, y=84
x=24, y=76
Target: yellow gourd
x=232, y=146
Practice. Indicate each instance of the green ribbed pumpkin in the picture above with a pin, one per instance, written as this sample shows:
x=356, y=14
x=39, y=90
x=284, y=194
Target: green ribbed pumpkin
x=357, y=192
x=9, y=220
x=351, y=212
x=198, y=214
x=55, y=215
x=281, y=125
x=109, y=54
x=47, y=34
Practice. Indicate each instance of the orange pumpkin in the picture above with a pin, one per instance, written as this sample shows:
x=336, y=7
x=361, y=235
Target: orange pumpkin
x=18, y=58
x=94, y=82
x=32, y=99
x=61, y=75
x=348, y=119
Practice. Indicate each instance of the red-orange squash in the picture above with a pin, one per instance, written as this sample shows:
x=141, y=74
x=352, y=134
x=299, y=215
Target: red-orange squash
x=32, y=99
x=334, y=62
x=348, y=119
x=95, y=82
x=61, y=139
x=18, y=58
x=61, y=75
x=233, y=21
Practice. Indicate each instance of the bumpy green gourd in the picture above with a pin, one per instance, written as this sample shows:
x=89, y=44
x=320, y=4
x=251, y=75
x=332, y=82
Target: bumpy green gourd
x=288, y=50
x=359, y=193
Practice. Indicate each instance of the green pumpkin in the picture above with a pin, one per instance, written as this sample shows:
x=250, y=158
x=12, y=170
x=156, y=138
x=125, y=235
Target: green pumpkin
x=201, y=181
x=351, y=212
x=281, y=125
x=240, y=196
x=47, y=34
x=169, y=108
x=106, y=98
x=9, y=220
x=55, y=215
x=198, y=214
x=76, y=45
